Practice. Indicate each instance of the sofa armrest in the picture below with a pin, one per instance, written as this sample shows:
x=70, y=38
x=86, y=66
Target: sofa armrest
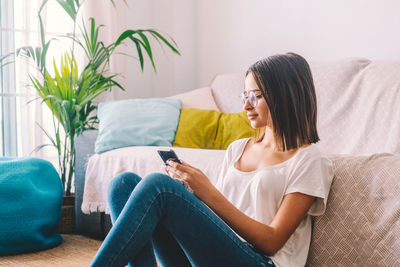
x=85, y=224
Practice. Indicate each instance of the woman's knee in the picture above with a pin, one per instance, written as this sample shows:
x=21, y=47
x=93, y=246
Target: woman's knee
x=126, y=181
x=157, y=179
x=160, y=183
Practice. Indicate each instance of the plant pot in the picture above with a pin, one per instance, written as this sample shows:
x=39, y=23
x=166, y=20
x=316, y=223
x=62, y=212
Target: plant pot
x=66, y=224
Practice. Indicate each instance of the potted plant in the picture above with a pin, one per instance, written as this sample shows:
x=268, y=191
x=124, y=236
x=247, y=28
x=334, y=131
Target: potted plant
x=70, y=92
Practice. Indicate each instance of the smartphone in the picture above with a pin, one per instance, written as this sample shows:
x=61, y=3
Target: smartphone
x=168, y=155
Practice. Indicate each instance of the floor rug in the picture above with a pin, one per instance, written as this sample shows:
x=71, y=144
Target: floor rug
x=75, y=250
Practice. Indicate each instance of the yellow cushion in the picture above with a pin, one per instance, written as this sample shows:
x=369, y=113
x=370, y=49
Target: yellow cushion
x=232, y=126
x=210, y=129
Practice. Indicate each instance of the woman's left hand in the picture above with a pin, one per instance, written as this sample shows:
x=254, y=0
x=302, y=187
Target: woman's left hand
x=193, y=177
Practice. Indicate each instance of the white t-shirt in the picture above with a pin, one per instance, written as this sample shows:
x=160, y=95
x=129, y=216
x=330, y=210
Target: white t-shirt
x=259, y=193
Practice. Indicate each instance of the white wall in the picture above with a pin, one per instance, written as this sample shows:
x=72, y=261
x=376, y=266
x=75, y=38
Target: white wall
x=232, y=34
x=217, y=36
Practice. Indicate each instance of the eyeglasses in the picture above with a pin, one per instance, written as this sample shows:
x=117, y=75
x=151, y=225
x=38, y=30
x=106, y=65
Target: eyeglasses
x=251, y=96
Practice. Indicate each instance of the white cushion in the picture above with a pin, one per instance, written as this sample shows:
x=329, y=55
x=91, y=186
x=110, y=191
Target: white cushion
x=200, y=98
x=226, y=89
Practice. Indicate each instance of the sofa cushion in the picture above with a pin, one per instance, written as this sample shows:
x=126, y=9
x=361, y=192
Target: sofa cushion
x=361, y=224
x=226, y=89
x=137, y=122
x=231, y=127
x=197, y=128
x=200, y=98
x=210, y=129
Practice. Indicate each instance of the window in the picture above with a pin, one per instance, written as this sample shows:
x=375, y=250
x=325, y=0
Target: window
x=20, y=115
x=8, y=142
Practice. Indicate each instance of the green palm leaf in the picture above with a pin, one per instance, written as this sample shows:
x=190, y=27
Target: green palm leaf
x=70, y=7
x=143, y=41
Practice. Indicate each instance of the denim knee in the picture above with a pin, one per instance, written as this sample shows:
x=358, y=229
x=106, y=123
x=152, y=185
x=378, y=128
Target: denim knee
x=122, y=182
x=158, y=179
x=160, y=182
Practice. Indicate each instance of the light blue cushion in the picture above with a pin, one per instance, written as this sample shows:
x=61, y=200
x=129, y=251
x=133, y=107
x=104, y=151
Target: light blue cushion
x=31, y=196
x=137, y=122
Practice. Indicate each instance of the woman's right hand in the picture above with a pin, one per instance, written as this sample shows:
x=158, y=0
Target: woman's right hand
x=193, y=177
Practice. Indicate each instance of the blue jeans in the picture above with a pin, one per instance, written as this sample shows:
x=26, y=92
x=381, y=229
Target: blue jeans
x=158, y=216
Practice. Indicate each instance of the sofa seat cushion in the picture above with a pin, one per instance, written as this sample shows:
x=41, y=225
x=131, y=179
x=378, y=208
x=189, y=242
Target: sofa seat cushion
x=142, y=160
x=361, y=225
x=31, y=195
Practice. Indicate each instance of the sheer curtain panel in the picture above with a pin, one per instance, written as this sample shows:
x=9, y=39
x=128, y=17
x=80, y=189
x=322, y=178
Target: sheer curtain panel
x=21, y=114
x=8, y=144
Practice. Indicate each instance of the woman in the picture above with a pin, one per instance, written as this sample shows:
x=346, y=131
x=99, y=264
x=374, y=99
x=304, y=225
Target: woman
x=258, y=213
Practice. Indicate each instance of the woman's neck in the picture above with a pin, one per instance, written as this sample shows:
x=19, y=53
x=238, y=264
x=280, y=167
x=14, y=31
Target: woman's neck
x=268, y=141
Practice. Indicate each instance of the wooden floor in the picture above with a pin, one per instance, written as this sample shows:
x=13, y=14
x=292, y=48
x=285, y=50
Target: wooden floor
x=75, y=250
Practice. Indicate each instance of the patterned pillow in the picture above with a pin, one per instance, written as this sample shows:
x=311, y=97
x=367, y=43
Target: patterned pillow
x=361, y=225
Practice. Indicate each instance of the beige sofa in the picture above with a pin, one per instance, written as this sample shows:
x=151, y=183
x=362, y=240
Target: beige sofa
x=359, y=127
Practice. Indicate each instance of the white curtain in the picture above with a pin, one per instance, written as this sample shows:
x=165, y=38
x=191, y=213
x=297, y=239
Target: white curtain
x=31, y=115
x=172, y=18
x=8, y=126
x=28, y=114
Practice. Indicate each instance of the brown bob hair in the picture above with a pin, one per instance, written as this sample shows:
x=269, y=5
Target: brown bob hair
x=286, y=83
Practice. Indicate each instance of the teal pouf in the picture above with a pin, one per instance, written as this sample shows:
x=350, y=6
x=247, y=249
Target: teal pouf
x=31, y=196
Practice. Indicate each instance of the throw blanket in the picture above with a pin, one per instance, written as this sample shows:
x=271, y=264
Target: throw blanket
x=142, y=160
